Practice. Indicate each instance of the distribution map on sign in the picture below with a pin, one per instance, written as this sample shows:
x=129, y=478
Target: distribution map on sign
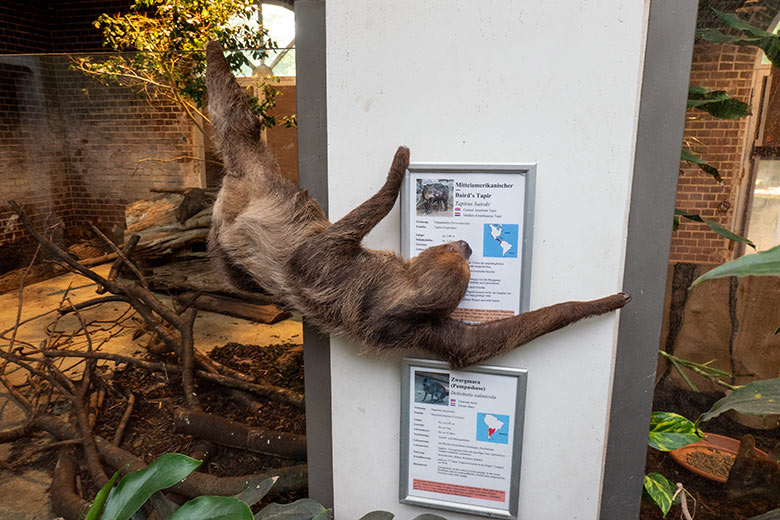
x=492, y=427
x=500, y=240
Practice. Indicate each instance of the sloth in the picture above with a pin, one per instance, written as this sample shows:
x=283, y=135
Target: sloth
x=268, y=234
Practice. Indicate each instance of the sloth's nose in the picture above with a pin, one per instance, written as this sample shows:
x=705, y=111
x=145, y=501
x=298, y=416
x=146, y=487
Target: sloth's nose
x=466, y=248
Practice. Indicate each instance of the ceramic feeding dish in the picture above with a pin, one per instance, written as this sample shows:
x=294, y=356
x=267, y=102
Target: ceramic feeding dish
x=711, y=457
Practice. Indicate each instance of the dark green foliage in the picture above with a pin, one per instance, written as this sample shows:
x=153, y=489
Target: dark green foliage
x=162, y=44
x=717, y=228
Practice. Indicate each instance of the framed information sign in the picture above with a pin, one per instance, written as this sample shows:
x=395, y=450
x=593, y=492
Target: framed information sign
x=489, y=206
x=461, y=437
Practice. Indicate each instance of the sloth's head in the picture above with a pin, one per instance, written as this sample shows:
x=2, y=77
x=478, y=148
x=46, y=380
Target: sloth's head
x=443, y=271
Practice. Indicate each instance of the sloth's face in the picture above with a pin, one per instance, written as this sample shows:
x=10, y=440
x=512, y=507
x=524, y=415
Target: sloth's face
x=461, y=247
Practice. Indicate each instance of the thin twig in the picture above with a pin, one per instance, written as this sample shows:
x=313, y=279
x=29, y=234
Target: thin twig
x=120, y=429
x=130, y=265
x=187, y=347
x=21, y=298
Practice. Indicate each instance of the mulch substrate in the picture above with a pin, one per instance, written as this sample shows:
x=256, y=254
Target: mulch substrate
x=712, y=502
x=150, y=431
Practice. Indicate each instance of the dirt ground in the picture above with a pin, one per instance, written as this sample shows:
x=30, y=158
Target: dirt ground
x=712, y=503
x=25, y=466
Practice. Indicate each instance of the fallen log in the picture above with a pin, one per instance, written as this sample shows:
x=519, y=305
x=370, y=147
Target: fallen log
x=13, y=434
x=236, y=435
x=198, y=276
x=169, y=223
x=64, y=500
x=291, y=478
x=234, y=307
x=10, y=280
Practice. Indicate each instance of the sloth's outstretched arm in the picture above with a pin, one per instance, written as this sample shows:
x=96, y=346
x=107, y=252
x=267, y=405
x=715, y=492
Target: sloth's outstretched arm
x=358, y=222
x=463, y=345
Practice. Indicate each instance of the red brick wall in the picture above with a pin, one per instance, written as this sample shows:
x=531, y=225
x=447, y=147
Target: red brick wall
x=69, y=146
x=119, y=147
x=25, y=26
x=719, y=142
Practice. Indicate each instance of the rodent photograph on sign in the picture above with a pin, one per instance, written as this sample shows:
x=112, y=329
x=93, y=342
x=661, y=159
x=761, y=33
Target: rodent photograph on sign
x=490, y=207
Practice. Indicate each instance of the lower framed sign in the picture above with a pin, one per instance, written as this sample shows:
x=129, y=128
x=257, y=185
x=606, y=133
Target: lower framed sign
x=462, y=437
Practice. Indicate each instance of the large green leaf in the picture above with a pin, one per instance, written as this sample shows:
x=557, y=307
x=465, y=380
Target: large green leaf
x=687, y=155
x=764, y=263
x=669, y=431
x=100, y=498
x=661, y=490
x=717, y=103
x=378, y=515
x=256, y=489
x=734, y=21
x=303, y=509
x=774, y=514
x=767, y=42
x=714, y=226
x=756, y=398
x=213, y=508
x=136, y=487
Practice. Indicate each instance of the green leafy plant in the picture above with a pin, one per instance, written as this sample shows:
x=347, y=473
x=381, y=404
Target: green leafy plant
x=764, y=263
x=715, y=375
x=668, y=431
x=760, y=397
x=166, y=39
x=719, y=104
x=751, y=35
x=660, y=490
x=135, y=489
x=714, y=226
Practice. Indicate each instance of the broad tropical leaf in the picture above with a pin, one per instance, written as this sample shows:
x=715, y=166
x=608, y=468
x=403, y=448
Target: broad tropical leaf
x=774, y=514
x=764, y=263
x=213, y=508
x=669, y=431
x=135, y=488
x=256, y=490
x=717, y=103
x=661, y=491
x=378, y=515
x=303, y=509
x=756, y=398
x=100, y=498
x=707, y=168
x=767, y=42
x=714, y=226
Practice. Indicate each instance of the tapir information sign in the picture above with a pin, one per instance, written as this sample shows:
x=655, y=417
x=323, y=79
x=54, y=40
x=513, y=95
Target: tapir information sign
x=490, y=206
x=461, y=437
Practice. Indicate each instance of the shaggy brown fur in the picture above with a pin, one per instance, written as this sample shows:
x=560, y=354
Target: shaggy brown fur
x=268, y=233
